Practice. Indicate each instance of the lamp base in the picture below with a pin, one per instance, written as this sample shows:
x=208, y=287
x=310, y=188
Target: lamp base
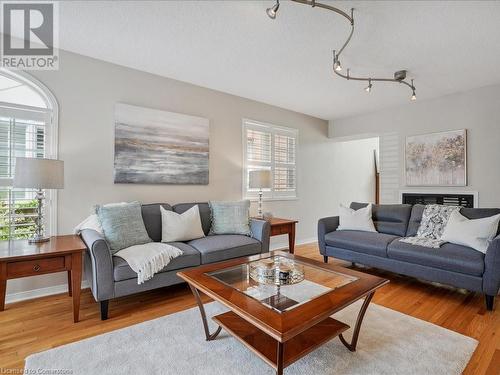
x=38, y=239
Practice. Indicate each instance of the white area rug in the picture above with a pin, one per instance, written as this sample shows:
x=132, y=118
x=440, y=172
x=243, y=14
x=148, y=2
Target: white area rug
x=390, y=343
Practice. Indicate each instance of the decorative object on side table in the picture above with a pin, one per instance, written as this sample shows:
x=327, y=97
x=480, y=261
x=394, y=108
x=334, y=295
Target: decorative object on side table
x=436, y=159
x=39, y=174
x=260, y=179
x=61, y=253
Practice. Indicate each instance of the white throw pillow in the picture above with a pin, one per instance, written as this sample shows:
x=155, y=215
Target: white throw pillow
x=181, y=227
x=475, y=233
x=356, y=219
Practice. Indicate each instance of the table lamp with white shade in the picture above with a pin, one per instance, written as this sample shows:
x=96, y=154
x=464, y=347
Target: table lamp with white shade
x=260, y=179
x=36, y=173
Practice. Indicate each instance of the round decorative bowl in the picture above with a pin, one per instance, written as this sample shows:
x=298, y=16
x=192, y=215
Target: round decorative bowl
x=276, y=271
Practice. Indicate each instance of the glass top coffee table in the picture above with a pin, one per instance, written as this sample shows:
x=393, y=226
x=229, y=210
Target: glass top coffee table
x=280, y=304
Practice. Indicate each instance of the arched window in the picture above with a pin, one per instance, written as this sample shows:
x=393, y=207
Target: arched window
x=28, y=128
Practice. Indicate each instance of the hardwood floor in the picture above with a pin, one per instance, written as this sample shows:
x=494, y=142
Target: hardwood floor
x=36, y=325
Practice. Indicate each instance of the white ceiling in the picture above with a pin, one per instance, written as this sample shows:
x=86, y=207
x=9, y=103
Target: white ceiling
x=232, y=46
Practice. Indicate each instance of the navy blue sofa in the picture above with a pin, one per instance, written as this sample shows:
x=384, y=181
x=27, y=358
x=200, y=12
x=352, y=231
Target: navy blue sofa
x=455, y=265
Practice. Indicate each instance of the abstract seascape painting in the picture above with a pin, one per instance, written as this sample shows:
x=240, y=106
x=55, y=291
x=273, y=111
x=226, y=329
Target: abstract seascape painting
x=437, y=159
x=159, y=147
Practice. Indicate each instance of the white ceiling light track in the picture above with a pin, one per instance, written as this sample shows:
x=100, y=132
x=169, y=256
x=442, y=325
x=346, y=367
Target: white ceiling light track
x=399, y=76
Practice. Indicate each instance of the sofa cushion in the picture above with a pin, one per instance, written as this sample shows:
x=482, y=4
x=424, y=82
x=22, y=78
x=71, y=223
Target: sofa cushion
x=415, y=218
x=122, y=225
x=225, y=246
x=363, y=242
x=152, y=219
x=205, y=213
x=189, y=258
x=450, y=257
x=388, y=218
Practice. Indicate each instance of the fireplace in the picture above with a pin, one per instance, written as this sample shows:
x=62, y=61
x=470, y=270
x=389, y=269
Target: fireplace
x=468, y=199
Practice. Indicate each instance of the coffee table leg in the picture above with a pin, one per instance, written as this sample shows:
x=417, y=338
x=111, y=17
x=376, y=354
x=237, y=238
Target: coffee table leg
x=279, y=359
x=209, y=336
x=355, y=334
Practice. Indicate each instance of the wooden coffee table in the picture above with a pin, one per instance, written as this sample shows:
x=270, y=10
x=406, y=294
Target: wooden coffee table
x=282, y=324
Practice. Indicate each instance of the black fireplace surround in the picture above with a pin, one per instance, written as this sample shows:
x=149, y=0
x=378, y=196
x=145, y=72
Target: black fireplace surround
x=464, y=200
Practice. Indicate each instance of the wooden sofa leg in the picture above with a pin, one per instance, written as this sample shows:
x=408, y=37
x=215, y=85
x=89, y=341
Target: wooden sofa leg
x=489, y=302
x=325, y=259
x=104, y=309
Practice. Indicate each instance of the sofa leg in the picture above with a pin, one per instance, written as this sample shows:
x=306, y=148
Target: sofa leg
x=325, y=259
x=489, y=302
x=104, y=309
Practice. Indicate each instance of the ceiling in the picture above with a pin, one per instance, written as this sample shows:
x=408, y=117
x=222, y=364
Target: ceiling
x=232, y=46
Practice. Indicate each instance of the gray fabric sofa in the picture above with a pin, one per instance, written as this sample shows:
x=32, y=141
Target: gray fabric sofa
x=110, y=277
x=451, y=264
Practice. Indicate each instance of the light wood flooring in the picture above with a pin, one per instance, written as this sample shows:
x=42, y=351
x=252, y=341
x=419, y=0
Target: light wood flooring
x=36, y=325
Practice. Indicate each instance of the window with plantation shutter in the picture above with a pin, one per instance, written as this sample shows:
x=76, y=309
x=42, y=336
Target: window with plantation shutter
x=270, y=147
x=26, y=130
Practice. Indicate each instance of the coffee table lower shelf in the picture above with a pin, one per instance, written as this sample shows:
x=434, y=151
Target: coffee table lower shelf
x=266, y=347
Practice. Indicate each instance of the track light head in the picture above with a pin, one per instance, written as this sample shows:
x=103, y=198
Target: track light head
x=369, y=87
x=271, y=12
x=337, y=65
x=413, y=96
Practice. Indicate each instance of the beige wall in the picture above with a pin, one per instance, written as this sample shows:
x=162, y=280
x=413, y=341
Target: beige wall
x=478, y=111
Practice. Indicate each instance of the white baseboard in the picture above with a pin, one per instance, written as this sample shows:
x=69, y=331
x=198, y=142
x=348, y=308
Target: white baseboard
x=40, y=292
x=284, y=244
x=63, y=288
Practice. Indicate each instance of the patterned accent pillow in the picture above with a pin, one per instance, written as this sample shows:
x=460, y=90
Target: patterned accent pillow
x=122, y=225
x=230, y=217
x=434, y=220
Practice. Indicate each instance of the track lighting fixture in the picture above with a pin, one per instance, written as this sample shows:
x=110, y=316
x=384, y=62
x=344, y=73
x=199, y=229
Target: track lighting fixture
x=399, y=76
x=271, y=12
x=369, y=87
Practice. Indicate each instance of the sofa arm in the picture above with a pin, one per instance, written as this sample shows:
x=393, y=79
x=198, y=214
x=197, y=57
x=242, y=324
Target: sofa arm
x=491, y=276
x=261, y=230
x=326, y=225
x=102, y=283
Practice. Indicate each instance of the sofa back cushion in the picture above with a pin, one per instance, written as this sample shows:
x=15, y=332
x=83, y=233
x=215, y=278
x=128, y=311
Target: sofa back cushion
x=205, y=215
x=151, y=215
x=470, y=213
x=388, y=218
x=415, y=218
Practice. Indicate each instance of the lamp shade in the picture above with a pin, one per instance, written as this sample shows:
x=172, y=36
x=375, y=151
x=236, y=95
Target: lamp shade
x=39, y=173
x=260, y=179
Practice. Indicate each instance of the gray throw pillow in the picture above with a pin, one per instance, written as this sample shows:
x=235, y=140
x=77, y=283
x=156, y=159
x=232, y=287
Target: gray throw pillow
x=230, y=217
x=122, y=225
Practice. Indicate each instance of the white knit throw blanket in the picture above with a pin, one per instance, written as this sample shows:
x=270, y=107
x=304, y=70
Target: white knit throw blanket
x=145, y=260
x=148, y=259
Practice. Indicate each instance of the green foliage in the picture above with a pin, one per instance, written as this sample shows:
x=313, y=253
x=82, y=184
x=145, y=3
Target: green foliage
x=23, y=217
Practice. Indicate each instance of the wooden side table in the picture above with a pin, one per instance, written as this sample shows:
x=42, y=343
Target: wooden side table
x=284, y=226
x=62, y=253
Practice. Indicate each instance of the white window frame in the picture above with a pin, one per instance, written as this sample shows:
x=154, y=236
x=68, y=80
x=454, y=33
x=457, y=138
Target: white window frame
x=268, y=195
x=51, y=116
